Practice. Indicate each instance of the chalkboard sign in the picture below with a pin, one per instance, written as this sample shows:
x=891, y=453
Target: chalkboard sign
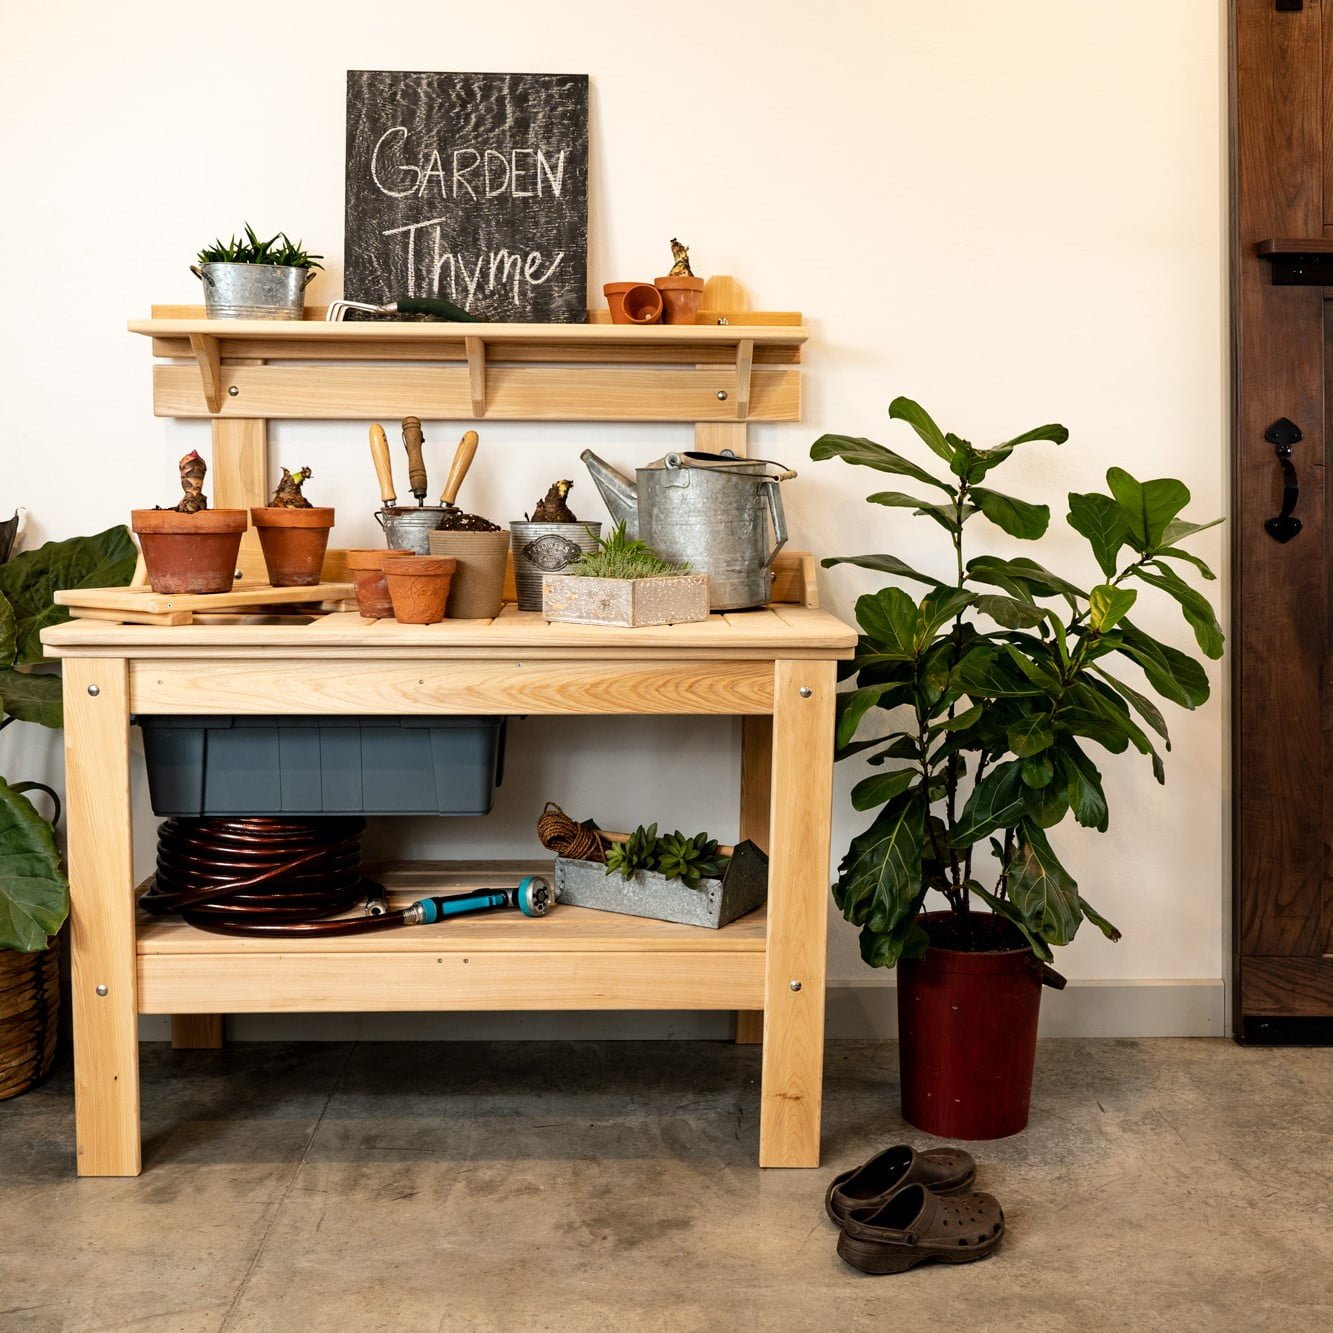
x=473, y=187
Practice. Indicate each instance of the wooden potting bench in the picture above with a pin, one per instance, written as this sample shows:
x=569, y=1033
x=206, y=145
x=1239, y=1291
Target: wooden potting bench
x=775, y=668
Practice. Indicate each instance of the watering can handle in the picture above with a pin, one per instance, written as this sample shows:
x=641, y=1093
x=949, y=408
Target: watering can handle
x=770, y=486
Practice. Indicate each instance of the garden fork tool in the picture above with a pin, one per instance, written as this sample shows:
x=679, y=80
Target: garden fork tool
x=433, y=306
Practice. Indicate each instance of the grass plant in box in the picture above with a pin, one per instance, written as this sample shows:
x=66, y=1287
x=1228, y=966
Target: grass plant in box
x=34, y=893
x=625, y=582
x=984, y=698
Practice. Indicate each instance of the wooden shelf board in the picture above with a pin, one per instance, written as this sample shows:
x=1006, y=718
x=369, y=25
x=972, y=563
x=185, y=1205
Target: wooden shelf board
x=565, y=930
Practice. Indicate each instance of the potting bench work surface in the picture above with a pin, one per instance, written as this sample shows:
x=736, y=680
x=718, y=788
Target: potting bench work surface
x=775, y=668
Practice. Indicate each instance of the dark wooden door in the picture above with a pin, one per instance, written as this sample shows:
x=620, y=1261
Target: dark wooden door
x=1282, y=673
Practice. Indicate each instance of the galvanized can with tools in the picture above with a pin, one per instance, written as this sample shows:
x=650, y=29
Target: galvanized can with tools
x=406, y=527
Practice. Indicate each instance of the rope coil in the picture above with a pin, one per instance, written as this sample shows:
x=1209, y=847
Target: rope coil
x=566, y=837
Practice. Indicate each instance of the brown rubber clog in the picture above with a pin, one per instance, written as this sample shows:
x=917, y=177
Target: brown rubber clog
x=918, y=1227
x=942, y=1170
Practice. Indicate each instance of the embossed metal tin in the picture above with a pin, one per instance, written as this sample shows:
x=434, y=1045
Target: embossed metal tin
x=546, y=548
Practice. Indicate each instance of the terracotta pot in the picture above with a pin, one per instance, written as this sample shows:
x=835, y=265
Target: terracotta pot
x=967, y=1038
x=372, y=592
x=478, y=591
x=633, y=302
x=190, y=553
x=293, y=542
x=681, y=297
x=419, y=587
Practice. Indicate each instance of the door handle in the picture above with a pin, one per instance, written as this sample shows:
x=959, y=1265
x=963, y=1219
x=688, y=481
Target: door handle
x=1282, y=434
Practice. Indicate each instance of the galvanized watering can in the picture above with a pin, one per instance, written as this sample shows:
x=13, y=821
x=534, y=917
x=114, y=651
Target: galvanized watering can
x=710, y=511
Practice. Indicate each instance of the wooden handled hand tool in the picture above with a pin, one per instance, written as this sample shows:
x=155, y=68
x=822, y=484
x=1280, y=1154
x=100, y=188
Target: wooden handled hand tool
x=413, y=439
x=463, y=456
x=379, y=454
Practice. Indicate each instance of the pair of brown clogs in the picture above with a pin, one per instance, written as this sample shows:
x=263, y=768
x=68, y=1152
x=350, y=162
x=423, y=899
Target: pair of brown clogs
x=903, y=1208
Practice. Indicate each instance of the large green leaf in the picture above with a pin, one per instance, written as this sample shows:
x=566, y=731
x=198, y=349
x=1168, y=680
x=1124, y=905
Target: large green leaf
x=916, y=416
x=888, y=618
x=1148, y=506
x=1083, y=786
x=946, y=515
x=1031, y=735
x=881, y=788
x=879, y=880
x=996, y=802
x=1175, y=553
x=1195, y=607
x=31, y=579
x=1011, y=612
x=8, y=633
x=866, y=453
x=1108, y=605
x=938, y=607
x=1016, y=517
x=32, y=697
x=1042, y=889
x=1111, y=932
x=884, y=564
x=1020, y=575
x=34, y=894
x=988, y=673
x=907, y=940
x=1098, y=518
x=1002, y=907
x=1174, y=675
x=980, y=461
x=852, y=705
x=1178, y=529
x=1140, y=703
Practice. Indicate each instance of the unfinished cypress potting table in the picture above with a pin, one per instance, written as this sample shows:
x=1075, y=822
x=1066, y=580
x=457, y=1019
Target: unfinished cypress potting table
x=774, y=668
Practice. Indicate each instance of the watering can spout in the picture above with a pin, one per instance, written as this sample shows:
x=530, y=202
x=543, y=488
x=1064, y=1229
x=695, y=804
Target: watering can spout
x=617, y=490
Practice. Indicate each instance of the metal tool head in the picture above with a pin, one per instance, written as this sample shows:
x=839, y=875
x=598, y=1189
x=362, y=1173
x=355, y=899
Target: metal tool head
x=534, y=896
x=337, y=311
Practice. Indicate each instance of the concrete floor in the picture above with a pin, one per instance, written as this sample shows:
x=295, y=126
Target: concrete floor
x=1161, y=1185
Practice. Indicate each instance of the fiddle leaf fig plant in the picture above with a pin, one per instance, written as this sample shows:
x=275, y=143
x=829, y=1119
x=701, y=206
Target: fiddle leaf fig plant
x=987, y=695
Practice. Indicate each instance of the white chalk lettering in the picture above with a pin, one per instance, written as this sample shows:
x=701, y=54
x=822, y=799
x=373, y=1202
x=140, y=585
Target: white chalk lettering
x=517, y=172
x=544, y=168
x=460, y=173
x=413, y=172
x=454, y=270
x=493, y=156
x=434, y=167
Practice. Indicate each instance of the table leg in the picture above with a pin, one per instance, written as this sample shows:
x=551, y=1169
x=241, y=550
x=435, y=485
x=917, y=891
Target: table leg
x=793, y=1065
x=756, y=802
x=196, y=1032
x=102, y=947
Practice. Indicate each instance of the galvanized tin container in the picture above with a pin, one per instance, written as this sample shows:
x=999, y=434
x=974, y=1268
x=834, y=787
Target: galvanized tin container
x=714, y=903
x=253, y=291
x=409, y=529
x=547, y=548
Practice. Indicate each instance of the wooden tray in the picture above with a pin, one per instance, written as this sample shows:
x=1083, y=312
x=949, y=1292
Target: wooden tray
x=143, y=606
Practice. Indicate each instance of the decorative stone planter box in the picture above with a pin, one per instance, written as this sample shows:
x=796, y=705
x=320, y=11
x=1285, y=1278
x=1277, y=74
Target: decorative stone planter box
x=674, y=599
x=742, y=888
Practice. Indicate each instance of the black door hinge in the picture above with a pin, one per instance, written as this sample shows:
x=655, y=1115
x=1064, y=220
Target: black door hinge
x=1289, y=6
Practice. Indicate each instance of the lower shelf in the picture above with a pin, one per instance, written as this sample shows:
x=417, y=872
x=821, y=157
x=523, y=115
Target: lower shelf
x=572, y=959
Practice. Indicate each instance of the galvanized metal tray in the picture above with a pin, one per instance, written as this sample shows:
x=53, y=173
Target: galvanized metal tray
x=714, y=903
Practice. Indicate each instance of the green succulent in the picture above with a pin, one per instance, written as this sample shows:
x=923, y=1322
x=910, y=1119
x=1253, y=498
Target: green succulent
x=689, y=859
x=251, y=250
x=639, y=853
x=620, y=556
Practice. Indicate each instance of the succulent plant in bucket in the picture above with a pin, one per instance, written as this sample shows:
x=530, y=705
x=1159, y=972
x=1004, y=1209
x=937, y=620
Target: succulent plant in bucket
x=253, y=279
x=987, y=694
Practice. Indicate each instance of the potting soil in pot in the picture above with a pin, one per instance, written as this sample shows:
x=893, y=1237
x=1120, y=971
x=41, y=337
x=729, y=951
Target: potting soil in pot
x=455, y=520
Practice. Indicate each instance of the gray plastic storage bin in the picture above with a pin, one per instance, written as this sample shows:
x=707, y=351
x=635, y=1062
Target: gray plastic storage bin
x=323, y=765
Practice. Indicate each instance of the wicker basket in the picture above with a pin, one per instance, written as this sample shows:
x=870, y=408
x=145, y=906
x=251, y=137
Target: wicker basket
x=29, y=1013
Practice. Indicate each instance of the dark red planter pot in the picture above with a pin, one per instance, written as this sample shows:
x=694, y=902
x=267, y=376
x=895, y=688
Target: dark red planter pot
x=967, y=1034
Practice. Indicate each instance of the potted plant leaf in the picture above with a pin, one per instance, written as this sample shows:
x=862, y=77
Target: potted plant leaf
x=254, y=279
x=34, y=893
x=625, y=582
x=985, y=699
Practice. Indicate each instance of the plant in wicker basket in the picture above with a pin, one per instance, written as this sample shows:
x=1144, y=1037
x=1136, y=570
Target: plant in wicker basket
x=34, y=893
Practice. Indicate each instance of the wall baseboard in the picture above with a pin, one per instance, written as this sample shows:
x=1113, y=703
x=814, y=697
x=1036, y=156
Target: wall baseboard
x=854, y=1010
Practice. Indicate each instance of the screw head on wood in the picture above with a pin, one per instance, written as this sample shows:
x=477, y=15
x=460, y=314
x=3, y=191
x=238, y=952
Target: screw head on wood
x=721, y=395
x=94, y=690
x=232, y=391
x=795, y=985
x=806, y=691
x=101, y=990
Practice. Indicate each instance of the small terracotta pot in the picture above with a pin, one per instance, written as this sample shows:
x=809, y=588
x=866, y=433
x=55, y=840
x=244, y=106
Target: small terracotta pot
x=682, y=297
x=190, y=553
x=478, y=591
x=633, y=302
x=293, y=542
x=419, y=587
x=372, y=592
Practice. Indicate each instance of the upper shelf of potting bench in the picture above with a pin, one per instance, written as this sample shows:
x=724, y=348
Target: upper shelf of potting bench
x=700, y=372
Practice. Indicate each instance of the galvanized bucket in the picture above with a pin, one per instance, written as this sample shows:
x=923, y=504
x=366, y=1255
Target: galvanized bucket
x=547, y=548
x=409, y=529
x=253, y=291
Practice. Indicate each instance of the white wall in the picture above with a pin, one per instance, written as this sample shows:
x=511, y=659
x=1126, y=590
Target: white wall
x=1011, y=212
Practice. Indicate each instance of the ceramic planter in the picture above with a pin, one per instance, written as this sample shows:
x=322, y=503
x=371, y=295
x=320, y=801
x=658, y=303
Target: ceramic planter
x=293, y=542
x=633, y=302
x=673, y=599
x=190, y=553
x=967, y=1039
x=372, y=592
x=418, y=587
x=547, y=548
x=680, y=297
x=478, y=591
